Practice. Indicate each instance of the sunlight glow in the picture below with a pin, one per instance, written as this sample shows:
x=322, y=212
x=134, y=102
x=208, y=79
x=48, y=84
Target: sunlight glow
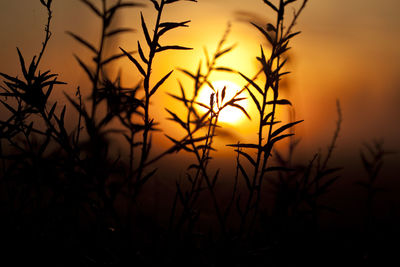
x=229, y=114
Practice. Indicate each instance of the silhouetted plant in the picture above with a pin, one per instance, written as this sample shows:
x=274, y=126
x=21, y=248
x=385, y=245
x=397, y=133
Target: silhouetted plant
x=278, y=37
x=298, y=190
x=105, y=176
x=62, y=191
x=154, y=47
x=200, y=145
x=372, y=157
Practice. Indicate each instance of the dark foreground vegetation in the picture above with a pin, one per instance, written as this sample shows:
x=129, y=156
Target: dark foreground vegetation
x=67, y=199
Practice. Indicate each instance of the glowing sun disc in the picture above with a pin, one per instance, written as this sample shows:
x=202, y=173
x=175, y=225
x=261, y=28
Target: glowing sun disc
x=229, y=114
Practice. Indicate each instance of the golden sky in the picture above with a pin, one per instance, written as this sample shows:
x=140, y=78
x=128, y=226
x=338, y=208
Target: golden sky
x=348, y=50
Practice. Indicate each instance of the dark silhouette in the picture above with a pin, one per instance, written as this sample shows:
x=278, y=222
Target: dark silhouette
x=67, y=199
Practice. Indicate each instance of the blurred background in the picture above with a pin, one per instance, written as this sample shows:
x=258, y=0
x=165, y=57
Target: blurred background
x=348, y=50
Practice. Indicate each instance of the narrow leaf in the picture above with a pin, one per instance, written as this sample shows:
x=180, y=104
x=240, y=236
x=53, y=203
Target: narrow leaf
x=250, y=81
x=247, y=156
x=12, y=79
x=241, y=108
x=22, y=62
x=32, y=67
x=160, y=83
x=179, y=145
x=271, y=5
x=85, y=68
x=268, y=146
x=254, y=99
x=141, y=54
x=265, y=33
x=289, y=1
x=51, y=112
x=266, y=118
x=138, y=66
x=145, y=31
x=185, y=72
x=172, y=47
x=183, y=94
x=115, y=57
x=290, y=36
x=223, y=93
x=146, y=178
x=92, y=7
x=221, y=53
x=326, y=185
x=223, y=69
x=279, y=102
x=244, y=145
x=167, y=26
x=176, y=118
x=13, y=111
x=245, y=176
x=203, y=105
x=214, y=181
x=84, y=42
x=118, y=31
x=284, y=127
x=63, y=113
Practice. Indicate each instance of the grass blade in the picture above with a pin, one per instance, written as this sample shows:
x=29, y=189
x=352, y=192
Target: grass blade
x=247, y=156
x=118, y=31
x=138, y=66
x=279, y=102
x=250, y=81
x=85, y=68
x=92, y=7
x=84, y=42
x=22, y=62
x=284, y=127
x=160, y=83
x=141, y=54
x=271, y=5
x=115, y=57
x=172, y=47
x=145, y=31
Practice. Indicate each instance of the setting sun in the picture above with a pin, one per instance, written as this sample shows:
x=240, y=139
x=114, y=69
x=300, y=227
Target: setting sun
x=229, y=114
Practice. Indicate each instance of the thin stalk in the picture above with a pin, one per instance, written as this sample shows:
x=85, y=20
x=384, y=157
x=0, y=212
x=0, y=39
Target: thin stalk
x=146, y=85
x=203, y=163
x=279, y=25
x=196, y=184
x=79, y=117
x=256, y=168
x=99, y=59
x=47, y=36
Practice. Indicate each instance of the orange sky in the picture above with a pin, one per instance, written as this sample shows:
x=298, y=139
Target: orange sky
x=348, y=50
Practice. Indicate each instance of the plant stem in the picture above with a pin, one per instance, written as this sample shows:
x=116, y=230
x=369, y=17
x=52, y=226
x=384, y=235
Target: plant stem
x=98, y=63
x=146, y=85
x=47, y=36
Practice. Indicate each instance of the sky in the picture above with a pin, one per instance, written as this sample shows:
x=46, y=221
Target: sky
x=348, y=50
